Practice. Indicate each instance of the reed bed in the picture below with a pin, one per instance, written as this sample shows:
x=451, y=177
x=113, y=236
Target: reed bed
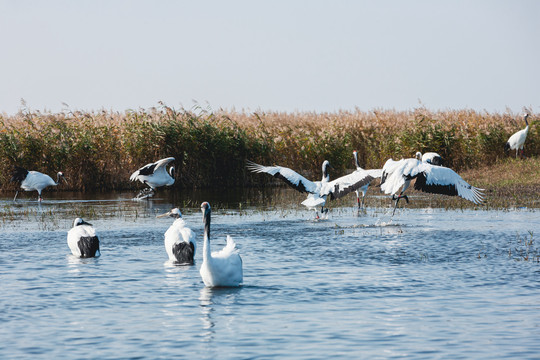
x=99, y=150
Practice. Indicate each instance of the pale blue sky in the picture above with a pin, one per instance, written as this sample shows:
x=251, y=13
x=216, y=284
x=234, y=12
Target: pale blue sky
x=270, y=55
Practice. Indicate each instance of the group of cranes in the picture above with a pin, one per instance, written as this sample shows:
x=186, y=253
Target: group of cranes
x=155, y=175
x=224, y=267
x=395, y=176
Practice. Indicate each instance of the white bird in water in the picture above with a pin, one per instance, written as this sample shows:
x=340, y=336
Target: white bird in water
x=429, y=178
x=154, y=175
x=430, y=157
x=82, y=239
x=219, y=268
x=318, y=191
x=179, y=239
x=363, y=189
x=517, y=140
x=34, y=180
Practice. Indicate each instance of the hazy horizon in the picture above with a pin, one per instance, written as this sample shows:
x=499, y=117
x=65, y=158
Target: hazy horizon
x=282, y=56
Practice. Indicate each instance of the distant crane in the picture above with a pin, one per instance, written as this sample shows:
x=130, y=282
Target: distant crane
x=429, y=178
x=517, y=141
x=430, y=157
x=154, y=175
x=34, y=180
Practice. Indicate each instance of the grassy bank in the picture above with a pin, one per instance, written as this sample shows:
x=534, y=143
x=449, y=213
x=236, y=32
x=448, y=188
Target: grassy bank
x=99, y=150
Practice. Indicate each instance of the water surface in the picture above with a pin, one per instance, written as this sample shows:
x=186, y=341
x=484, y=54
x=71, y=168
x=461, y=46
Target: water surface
x=428, y=283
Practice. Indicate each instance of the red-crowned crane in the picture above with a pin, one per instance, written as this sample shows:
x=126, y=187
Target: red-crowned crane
x=397, y=176
x=376, y=173
x=82, y=239
x=154, y=175
x=34, y=180
x=430, y=157
x=517, y=140
x=318, y=191
x=179, y=240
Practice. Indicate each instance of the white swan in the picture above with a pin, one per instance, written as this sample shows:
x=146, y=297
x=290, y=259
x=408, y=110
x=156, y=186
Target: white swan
x=179, y=239
x=34, y=180
x=82, y=239
x=219, y=268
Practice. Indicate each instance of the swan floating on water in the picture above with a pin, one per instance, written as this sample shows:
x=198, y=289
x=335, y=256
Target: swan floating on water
x=221, y=268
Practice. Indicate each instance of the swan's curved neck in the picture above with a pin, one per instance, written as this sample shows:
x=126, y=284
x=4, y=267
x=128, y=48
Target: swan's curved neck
x=206, y=244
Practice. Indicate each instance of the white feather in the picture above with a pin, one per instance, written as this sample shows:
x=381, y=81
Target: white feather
x=176, y=233
x=159, y=177
x=221, y=268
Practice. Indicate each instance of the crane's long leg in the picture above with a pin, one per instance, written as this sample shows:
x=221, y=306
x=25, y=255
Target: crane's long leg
x=362, y=204
x=17, y=193
x=397, y=198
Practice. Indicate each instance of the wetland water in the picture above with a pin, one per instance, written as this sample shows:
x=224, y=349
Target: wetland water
x=429, y=283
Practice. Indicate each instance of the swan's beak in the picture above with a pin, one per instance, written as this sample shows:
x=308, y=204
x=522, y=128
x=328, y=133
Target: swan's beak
x=164, y=215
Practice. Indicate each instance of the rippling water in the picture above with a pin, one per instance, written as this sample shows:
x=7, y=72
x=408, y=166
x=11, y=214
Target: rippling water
x=429, y=283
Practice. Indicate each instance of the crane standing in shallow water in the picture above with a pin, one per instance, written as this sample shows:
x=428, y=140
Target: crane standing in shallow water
x=363, y=189
x=34, y=180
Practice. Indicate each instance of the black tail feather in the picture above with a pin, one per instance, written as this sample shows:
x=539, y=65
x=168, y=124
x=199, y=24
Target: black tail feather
x=89, y=246
x=184, y=252
x=18, y=174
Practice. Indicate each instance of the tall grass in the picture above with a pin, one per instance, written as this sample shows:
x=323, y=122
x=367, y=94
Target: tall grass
x=99, y=150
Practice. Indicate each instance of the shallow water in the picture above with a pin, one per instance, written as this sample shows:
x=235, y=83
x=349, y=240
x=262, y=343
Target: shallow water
x=428, y=283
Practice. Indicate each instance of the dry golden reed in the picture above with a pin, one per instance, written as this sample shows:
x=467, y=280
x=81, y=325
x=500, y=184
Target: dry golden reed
x=99, y=150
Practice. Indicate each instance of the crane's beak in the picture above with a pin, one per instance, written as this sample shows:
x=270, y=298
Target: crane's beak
x=64, y=178
x=164, y=215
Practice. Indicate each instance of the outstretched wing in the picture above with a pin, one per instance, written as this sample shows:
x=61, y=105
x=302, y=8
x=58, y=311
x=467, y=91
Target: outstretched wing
x=392, y=178
x=163, y=162
x=443, y=180
x=291, y=177
x=348, y=183
x=150, y=168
